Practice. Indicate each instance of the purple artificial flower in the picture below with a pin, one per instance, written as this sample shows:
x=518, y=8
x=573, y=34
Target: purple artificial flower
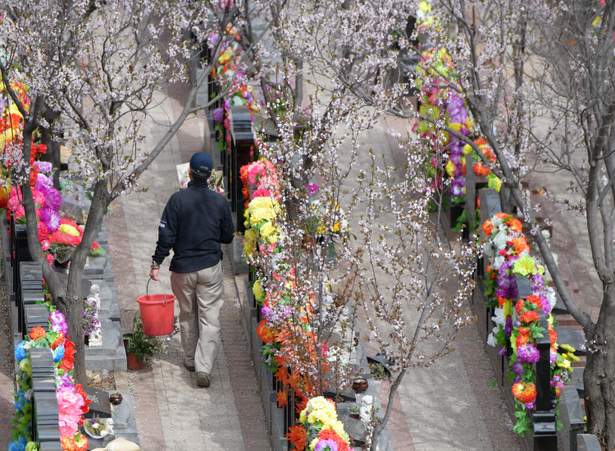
x=66, y=381
x=518, y=368
x=43, y=181
x=502, y=351
x=44, y=166
x=530, y=405
x=58, y=322
x=457, y=113
x=312, y=189
x=528, y=353
x=218, y=115
x=267, y=313
x=325, y=445
x=509, y=326
x=53, y=198
x=507, y=284
x=552, y=356
x=50, y=218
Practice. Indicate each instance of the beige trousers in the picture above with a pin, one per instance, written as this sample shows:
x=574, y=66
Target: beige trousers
x=200, y=295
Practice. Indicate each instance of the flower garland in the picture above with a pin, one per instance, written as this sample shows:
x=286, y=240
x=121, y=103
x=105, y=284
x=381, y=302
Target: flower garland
x=72, y=400
x=517, y=322
x=438, y=101
x=320, y=427
x=57, y=235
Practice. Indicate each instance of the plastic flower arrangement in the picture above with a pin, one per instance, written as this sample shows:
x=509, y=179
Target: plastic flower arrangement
x=72, y=400
x=517, y=320
x=320, y=430
x=444, y=104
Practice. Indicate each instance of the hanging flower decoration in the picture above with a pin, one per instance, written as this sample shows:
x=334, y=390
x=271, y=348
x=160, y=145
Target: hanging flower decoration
x=517, y=320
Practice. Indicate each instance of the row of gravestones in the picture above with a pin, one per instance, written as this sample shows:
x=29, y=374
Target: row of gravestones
x=545, y=436
x=25, y=284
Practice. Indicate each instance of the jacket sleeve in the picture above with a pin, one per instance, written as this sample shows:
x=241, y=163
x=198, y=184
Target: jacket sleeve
x=167, y=230
x=227, y=228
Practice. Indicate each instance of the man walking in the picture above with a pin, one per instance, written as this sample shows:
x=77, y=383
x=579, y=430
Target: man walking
x=194, y=223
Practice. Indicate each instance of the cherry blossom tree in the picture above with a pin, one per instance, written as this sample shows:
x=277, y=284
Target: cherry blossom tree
x=101, y=67
x=327, y=79
x=538, y=80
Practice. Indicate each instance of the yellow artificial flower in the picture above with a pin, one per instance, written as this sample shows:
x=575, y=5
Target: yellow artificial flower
x=450, y=168
x=525, y=266
x=267, y=230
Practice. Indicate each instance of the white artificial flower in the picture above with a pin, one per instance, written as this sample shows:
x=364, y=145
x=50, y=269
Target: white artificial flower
x=498, y=317
x=491, y=340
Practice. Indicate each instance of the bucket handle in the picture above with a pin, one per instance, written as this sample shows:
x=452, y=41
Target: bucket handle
x=147, y=291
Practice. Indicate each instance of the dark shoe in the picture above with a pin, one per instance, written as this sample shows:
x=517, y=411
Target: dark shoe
x=202, y=379
x=189, y=366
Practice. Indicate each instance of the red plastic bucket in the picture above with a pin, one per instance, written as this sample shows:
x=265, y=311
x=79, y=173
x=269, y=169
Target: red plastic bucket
x=157, y=312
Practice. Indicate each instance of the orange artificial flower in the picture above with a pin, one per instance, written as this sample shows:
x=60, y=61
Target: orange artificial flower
x=297, y=435
x=58, y=341
x=515, y=225
x=519, y=306
x=487, y=227
x=534, y=300
x=264, y=333
x=37, y=333
x=282, y=374
x=552, y=335
x=520, y=245
x=501, y=301
x=524, y=392
x=523, y=337
x=282, y=398
x=529, y=317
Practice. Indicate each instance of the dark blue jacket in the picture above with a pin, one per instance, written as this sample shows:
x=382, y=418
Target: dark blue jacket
x=194, y=223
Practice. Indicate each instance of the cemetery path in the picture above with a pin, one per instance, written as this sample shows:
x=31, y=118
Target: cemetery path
x=7, y=370
x=171, y=412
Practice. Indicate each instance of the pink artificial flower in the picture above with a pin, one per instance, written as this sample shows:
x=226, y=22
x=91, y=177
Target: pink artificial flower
x=58, y=322
x=69, y=411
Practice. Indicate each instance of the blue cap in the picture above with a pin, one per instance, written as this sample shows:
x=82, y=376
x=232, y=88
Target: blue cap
x=201, y=163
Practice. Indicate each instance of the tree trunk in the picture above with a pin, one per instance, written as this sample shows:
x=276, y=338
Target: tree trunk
x=599, y=374
x=73, y=310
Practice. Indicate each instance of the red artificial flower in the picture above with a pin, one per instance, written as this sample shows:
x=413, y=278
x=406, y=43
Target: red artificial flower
x=519, y=306
x=86, y=402
x=69, y=355
x=297, y=435
x=329, y=434
x=282, y=398
x=37, y=333
x=524, y=392
x=529, y=317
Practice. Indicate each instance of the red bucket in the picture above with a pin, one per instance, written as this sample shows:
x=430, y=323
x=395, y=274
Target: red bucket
x=157, y=313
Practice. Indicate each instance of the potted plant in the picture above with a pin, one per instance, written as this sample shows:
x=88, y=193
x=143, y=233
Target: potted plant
x=141, y=347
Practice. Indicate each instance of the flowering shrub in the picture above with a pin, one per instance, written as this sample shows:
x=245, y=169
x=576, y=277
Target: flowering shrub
x=517, y=320
x=72, y=400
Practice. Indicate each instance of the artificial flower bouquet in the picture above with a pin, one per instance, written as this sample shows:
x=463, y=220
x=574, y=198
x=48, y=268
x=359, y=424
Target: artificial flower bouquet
x=320, y=430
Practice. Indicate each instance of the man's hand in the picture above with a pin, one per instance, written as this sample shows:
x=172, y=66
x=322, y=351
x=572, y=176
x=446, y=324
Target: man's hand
x=153, y=274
